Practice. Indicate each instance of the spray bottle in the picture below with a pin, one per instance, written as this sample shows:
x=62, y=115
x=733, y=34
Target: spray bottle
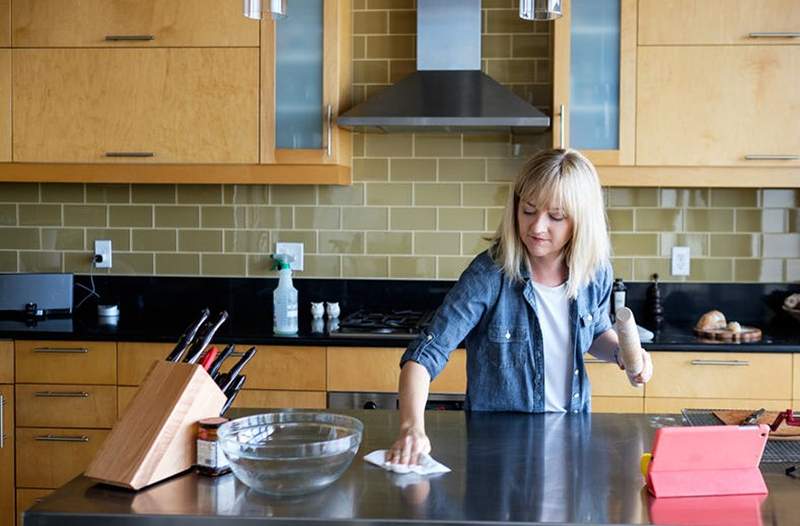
x=284, y=298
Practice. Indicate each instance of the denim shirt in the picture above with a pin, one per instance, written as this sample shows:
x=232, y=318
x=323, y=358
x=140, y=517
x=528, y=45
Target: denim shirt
x=496, y=317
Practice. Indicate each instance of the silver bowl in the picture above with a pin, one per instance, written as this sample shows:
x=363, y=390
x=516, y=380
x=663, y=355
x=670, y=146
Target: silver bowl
x=290, y=452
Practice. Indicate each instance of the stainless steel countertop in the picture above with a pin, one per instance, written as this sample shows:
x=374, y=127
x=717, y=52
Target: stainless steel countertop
x=507, y=468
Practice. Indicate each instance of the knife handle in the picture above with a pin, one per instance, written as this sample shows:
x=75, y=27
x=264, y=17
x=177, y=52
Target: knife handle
x=236, y=369
x=197, y=350
x=187, y=337
x=234, y=392
x=213, y=370
x=208, y=359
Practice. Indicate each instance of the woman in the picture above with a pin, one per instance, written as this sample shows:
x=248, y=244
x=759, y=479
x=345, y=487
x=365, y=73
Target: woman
x=528, y=308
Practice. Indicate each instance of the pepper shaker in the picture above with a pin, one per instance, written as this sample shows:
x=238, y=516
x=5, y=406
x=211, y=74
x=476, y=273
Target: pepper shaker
x=654, y=310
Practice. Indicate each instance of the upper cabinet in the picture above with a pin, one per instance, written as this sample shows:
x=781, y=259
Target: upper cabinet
x=594, y=83
x=5, y=105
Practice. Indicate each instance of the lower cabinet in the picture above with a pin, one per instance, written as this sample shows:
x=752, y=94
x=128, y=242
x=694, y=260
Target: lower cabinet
x=7, y=506
x=674, y=405
x=48, y=458
x=611, y=390
x=27, y=498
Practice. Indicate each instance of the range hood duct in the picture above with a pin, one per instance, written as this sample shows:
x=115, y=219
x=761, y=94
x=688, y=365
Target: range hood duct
x=448, y=92
x=539, y=9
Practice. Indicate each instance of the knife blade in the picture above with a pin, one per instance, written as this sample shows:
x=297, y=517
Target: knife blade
x=233, y=392
x=200, y=344
x=237, y=368
x=752, y=418
x=213, y=370
x=187, y=337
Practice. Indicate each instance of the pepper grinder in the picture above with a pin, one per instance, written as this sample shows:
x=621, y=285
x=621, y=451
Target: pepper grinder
x=654, y=310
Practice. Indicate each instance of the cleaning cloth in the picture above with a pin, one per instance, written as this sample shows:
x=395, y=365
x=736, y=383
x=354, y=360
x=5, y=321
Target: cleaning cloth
x=427, y=465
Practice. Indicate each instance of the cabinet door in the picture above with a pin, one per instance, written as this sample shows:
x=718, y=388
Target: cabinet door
x=608, y=380
x=741, y=22
x=285, y=368
x=47, y=405
x=85, y=23
x=281, y=399
x=136, y=105
x=60, y=455
x=674, y=405
x=5, y=23
x=5, y=105
x=617, y=404
x=136, y=358
x=718, y=106
x=66, y=362
x=6, y=362
x=7, y=455
x=594, y=83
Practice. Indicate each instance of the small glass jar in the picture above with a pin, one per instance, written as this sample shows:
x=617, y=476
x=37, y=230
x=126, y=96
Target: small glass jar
x=211, y=460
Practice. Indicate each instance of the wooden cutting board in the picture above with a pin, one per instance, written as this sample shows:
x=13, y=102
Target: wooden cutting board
x=747, y=334
x=734, y=417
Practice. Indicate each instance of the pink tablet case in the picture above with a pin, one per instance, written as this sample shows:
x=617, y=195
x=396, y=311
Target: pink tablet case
x=742, y=510
x=707, y=460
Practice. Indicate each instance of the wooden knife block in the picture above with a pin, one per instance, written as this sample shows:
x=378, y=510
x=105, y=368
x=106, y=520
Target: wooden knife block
x=156, y=436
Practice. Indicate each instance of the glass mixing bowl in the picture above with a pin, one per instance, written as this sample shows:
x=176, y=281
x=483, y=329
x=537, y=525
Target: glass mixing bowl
x=290, y=452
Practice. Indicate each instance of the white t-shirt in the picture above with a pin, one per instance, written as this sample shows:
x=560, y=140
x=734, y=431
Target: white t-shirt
x=552, y=308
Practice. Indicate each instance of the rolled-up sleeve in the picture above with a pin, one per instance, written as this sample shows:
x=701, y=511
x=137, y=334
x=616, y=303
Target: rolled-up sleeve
x=461, y=310
x=603, y=317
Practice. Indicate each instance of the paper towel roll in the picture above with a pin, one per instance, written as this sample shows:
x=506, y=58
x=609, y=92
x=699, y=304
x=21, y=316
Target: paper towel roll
x=630, y=348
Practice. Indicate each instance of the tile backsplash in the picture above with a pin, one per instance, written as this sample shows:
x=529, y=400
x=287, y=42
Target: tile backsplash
x=419, y=207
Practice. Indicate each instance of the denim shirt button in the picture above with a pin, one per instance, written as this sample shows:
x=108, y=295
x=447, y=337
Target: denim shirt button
x=577, y=372
x=430, y=337
x=574, y=410
x=576, y=395
x=508, y=335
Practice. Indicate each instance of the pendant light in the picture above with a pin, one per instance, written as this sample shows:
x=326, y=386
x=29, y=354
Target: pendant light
x=253, y=8
x=539, y=9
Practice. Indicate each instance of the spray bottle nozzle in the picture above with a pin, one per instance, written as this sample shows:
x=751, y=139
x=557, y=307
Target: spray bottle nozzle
x=281, y=261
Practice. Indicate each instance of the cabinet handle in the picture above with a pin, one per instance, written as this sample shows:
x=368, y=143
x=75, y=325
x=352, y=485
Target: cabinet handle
x=739, y=363
x=594, y=360
x=2, y=421
x=775, y=34
x=330, y=131
x=771, y=157
x=561, y=113
x=61, y=350
x=130, y=154
x=62, y=438
x=61, y=394
x=119, y=38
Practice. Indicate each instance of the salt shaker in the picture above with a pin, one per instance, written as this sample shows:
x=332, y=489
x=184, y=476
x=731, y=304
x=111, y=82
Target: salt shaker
x=317, y=309
x=332, y=309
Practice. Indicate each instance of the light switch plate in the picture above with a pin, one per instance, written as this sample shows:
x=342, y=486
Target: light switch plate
x=681, y=261
x=293, y=249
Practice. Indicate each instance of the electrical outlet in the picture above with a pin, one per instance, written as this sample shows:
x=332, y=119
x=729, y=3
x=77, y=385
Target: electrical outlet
x=293, y=249
x=681, y=261
x=102, y=253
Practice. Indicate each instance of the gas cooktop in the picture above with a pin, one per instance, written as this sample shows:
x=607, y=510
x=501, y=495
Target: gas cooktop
x=382, y=324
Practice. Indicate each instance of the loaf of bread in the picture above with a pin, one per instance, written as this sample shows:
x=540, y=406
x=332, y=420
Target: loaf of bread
x=734, y=326
x=712, y=319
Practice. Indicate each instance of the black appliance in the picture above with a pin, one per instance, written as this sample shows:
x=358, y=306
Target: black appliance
x=401, y=324
x=35, y=295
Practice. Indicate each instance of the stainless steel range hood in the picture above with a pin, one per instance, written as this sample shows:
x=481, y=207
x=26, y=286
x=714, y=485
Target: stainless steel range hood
x=448, y=92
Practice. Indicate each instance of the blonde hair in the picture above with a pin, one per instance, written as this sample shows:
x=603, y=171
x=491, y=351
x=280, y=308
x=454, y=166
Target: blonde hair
x=566, y=179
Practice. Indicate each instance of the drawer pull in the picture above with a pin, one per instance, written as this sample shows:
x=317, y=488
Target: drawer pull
x=130, y=154
x=62, y=438
x=594, y=360
x=775, y=34
x=61, y=394
x=119, y=38
x=771, y=157
x=2, y=421
x=738, y=363
x=61, y=350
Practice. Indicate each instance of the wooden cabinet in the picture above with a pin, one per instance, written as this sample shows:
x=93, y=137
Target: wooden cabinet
x=43, y=405
x=60, y=455
x=66, y=362
x=5, y=105
x=5, y=23
x=7, y=507
x=608, y=379
x=617, y=404
x=86, y=23
x=796, y=377
x=292, y=368
x=278, y=399
x=28, y=497
x=136, y=358
x=675, y=405
x=594, y=80
x=6, y=362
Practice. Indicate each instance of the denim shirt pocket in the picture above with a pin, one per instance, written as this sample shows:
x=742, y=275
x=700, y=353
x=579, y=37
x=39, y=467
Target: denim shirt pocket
x=508, y=345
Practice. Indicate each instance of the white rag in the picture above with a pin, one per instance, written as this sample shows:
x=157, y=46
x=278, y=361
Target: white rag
x=427, y=465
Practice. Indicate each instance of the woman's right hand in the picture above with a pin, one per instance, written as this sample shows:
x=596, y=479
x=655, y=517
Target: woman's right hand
x=411, y=443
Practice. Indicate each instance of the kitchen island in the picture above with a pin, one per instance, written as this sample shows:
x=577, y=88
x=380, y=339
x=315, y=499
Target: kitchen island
x=507, y=468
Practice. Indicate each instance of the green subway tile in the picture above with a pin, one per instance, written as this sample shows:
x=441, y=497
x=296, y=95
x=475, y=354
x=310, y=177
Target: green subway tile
x=322, y=266
x=40, y=215
x=294, y=195
x=85, y=215
x=108, y=193
x=81, y=262
x=359, y=47
x=200, y=240
x=413, y=218
x=495, y=46
x=658, y=220
x=758, y=270
x=133, y=263
x=359, y=5
x=437, y=145
x=19, y=192
x=792, y=270
x=121, y=215
x=526, y=46
x=399, y=69
x=370, y=169
x=697, y=243
x=474, y=244
x=403, y=22
x=246, y=194
x=177, y=216
x=222, y=217
x=735, y=245
x=40, y=261
x=391, y=46
x=370, y=71
x=8, y=261
x=261, y=264
x=390, y=4
x=749, y=220
x=358, y=144
x=496, y=145
x=780, y=198
x=153, y=240
x=62, y=239
x=316, y=217
x=452, y=267
x=620, y=220
x=507, y=21
x=370, y=22
x=257, y=241
x=623, y=268
x=308, y=239
x=684, y=197
x=709, y=220
x=389, y=144
x=793, y=220
x=781, y=246
x=503, y=169
x=200, y=194
x=734, y=197
x=462, y=219
x=436, y=243
x=62, y=193
x=413, y=169
x=543, y=72
x=267, y=216
x=462, y=169
x=412, y=267
x=632, y=197
x=8, y=215
x=342, y=195
x=389, y=194
x=19, y=238
x=120, y=238
x=644, y=268
x=437, y=194
x=223, y=264
x=388, y=243
x=365, y=266
x=341, y=242
x=634, y=244
x=718, y=270
x=367, y=218
x=155, y=193
x=493, y=217
x=178, y=264
x=489, y=194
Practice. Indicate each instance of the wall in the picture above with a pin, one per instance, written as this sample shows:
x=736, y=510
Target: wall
x=419, y=206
